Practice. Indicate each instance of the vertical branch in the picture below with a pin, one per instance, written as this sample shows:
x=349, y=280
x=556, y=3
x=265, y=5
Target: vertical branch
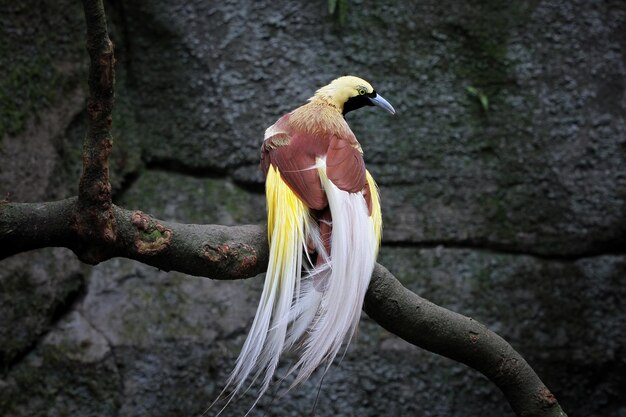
x=94, y=217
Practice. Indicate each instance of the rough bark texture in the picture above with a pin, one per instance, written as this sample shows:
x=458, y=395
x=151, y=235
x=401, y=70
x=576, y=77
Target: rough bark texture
x=94, y=218
x=513, y=216
x=212, y=251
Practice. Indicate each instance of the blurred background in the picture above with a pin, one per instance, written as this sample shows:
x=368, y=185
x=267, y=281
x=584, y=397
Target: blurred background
x=503, y=183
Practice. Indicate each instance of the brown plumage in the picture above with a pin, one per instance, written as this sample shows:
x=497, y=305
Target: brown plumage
x=316, y=129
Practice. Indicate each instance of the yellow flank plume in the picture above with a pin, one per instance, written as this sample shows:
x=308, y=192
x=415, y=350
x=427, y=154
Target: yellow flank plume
x=376, y=212
x=286, y=215
x=283, y=205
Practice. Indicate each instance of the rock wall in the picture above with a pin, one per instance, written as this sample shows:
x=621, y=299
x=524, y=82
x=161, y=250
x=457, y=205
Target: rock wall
x=503, y=182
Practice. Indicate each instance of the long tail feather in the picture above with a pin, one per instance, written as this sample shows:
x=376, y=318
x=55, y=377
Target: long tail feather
x=354, y=244
x=321, y=309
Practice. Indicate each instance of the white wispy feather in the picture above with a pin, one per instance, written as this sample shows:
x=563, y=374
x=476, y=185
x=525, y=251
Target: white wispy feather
x=352, y=260
x=316, y=312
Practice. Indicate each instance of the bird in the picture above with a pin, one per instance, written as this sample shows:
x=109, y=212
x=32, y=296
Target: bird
x=324, y=231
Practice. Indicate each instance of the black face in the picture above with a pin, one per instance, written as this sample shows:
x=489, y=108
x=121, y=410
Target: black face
x=357, y=102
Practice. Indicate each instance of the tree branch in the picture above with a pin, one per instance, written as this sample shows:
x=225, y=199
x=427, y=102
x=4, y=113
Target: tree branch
x=237, y=252
x=28, y=226
x=95, y=219
x=96, y=230
x=212, y=251
x=218, y=252
x=461, y=338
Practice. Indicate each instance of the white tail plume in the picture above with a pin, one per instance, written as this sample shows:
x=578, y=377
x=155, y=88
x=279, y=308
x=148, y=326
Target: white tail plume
x=316, y=312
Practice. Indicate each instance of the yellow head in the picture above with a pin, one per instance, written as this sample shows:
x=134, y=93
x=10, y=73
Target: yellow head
x=350, y=93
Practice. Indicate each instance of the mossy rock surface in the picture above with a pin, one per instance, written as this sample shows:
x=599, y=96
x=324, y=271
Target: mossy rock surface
x=42, y=58
x=524, y=173
x=183, y=198
x=36, y=289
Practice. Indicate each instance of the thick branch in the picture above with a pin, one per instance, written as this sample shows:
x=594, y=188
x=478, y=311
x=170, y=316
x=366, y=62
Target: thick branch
x=218, y=252
x=213, y=251
x=28, y=226
x=222, y=252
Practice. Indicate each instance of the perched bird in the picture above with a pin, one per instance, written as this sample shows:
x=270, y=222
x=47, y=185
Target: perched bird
x=324, y=216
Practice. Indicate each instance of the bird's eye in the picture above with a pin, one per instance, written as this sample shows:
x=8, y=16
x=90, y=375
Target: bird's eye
x=361, y=90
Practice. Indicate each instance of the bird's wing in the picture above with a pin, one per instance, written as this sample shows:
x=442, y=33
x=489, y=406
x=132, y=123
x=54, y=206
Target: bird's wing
x=344, y=164
x=295, y=155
